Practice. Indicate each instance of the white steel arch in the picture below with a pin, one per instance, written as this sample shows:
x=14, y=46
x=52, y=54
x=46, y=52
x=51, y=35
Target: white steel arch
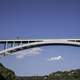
x=17, y=45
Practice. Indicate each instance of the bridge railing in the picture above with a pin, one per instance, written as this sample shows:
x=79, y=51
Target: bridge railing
x=9, y=46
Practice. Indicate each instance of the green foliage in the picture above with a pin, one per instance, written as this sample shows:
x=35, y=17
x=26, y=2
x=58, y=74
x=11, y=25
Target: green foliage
x=6, y=74
x=59, y=75
x=66, y=75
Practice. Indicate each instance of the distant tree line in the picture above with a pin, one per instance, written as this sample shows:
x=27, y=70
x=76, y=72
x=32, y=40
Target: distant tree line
x=7, y=74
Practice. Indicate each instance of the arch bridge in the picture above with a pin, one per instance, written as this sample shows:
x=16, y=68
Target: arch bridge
x=9, y=46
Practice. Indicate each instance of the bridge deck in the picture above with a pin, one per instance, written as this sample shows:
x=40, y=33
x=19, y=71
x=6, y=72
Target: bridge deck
x=10, y=46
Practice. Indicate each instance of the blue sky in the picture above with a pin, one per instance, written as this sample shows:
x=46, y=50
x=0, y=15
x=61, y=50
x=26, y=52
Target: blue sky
x=30, y=19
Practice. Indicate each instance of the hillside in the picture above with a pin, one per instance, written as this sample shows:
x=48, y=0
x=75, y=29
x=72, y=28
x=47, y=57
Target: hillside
x=66, y=75
x=7, y=74
x=59, y=75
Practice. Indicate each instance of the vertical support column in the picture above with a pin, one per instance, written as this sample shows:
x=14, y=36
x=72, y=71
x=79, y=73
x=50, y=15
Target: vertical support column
x=28, y=41
x=21, y=43
x=18, y=44
x=13, y=44
x=5, y=45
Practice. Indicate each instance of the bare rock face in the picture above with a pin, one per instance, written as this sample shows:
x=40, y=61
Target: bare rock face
x=6, y=74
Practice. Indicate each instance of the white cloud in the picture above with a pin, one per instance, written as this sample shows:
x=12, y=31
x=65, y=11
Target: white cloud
x=55, y=58
x=29, y=52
